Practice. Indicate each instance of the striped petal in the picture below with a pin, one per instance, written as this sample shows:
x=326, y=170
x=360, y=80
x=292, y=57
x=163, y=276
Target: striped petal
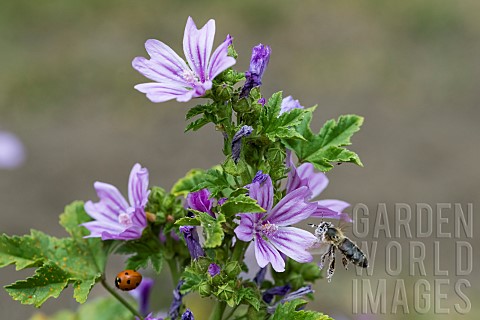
x=197, y=46
x=293, y=242
x=138, y=186
x=220, y=60
x=292, y=208
x=266, y=253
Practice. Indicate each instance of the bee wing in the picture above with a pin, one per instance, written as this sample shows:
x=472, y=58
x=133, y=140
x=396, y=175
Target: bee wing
x=319, y=248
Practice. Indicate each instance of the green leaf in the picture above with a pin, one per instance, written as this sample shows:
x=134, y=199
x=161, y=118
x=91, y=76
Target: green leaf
x=49, y=281
x=21, y=251
x=326, y=147
x=212, y=228
x=280, y=126
x=217, y=182
x=188, y=183
x=197, y=124
x=62, y=261
x=199, y=109
x=288, y=311
x=187, y=221
x=240, y=204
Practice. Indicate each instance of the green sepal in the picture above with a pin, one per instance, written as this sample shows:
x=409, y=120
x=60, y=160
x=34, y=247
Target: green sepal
x=249, y=296
x=326, y=147
x=289, y=311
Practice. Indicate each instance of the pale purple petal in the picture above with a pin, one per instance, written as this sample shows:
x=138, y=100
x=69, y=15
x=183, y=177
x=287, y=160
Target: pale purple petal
x=220, y=60
x=292, y=208
x=101, y=212
x=96, y=228
x=324, y=212
x=162, y=53
x=12, y=152
x=138, y=186
x=288, y=104
x=111, y=197
x=246, y=228
x=263, y=193
x=160, y=71
x=317, y=181
x=294, y=243
x=161, y=92
x=335, y=205
x=266, y=253
x=197, y=46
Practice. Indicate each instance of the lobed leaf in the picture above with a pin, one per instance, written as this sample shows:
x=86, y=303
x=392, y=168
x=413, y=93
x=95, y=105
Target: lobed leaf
x=289, y=311
x=212, y=228
x=188, y=183
x=326, y=147
x=240, y=204
x=48, y=281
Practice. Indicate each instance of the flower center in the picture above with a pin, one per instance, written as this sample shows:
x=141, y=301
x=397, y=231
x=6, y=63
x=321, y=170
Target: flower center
x=190, y=76
x=268, y=229
x=125, y=219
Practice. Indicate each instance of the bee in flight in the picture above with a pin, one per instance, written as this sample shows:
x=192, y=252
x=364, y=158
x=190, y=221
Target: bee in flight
x=327, y=233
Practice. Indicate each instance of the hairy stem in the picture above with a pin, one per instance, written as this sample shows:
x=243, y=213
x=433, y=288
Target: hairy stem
x=238, y=250
x=121, y=299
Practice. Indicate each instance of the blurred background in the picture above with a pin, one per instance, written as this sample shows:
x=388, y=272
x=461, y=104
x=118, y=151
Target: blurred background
x=411, y=68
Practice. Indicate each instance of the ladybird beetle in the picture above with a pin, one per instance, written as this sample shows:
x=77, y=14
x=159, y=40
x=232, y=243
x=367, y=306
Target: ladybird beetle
x=128, y=280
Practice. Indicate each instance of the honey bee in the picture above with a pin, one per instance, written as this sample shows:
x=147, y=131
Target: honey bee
x=327, y=233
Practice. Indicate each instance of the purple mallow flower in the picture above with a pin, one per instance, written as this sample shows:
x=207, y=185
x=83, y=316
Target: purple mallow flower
x=213, y=269
x=200, y=201
x=115, y=218
x=187, y=315
x=288, y=104
x=175, y=79
x=258, y=64
x=174, y=310
x=271, y=231
x=269, y=294
x=305, y=176
x=244, y=131
x=12, y=152
x=298, y=294
x=193, y=244
x=142, y=294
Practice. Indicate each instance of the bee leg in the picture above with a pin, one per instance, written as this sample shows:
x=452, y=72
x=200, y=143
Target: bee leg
x=324, y=257
x=331, y=267
x=345, y=262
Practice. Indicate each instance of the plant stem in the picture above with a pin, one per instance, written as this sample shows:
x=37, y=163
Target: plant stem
x=121, y=299
x=172, y=264
x=218, y=310
x=231, y=312
x=238, y=250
